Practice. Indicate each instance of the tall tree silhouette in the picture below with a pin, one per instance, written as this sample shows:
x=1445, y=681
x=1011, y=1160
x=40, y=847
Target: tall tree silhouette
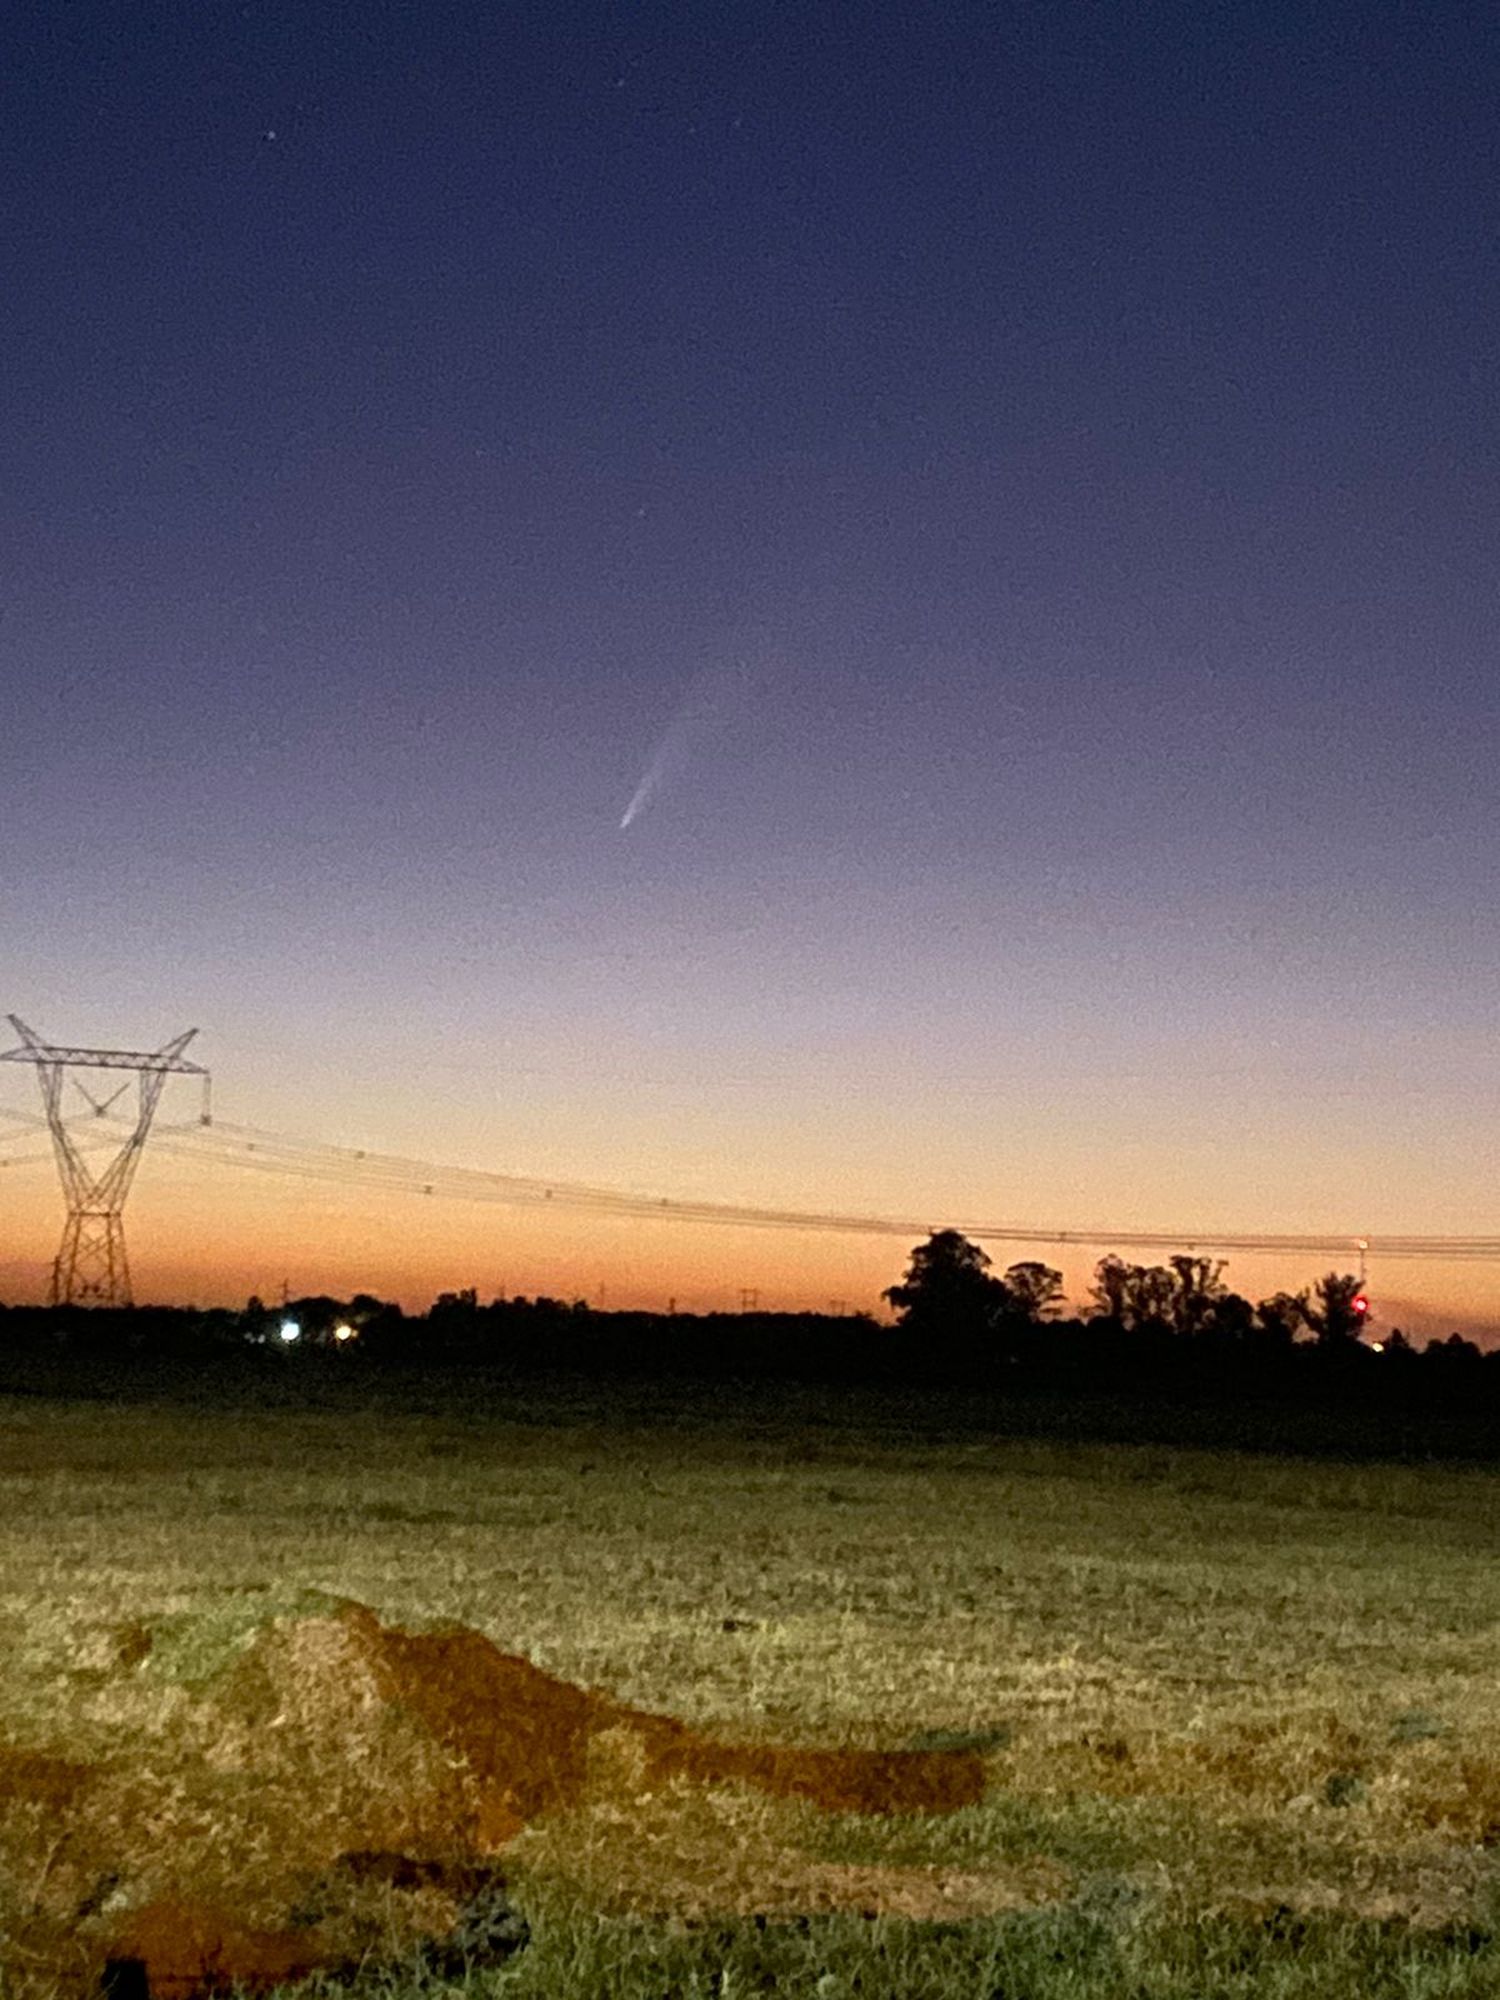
x=1281, y=1315
x=1331, y=1313
x=1136, y=1295
x=1036, y=1291
x=1197, y=1287
x=948, y=1291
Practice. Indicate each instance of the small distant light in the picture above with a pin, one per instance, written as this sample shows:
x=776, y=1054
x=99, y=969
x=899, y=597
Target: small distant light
x=343, y=1331
x=289, y=1331
x=1377, y=1347
x=1361, y=1305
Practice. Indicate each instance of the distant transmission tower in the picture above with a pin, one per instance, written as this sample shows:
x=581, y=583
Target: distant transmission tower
x=91, y=1268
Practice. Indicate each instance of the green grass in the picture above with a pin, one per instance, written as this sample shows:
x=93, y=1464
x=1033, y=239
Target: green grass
x=1239, y=1713
x=1067, y=1954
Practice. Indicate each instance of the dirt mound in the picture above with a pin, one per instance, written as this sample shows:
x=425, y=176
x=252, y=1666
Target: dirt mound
x=334, y=1790
x=525, y=1736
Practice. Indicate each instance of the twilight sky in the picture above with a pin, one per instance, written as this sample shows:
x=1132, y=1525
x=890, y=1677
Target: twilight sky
x=1036, y=468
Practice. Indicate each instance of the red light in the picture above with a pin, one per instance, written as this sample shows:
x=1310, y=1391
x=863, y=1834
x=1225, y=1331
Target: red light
x=1361, y=1305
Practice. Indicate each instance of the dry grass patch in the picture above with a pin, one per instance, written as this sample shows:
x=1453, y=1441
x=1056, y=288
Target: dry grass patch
x=691, y=1853
x=1221, y=1682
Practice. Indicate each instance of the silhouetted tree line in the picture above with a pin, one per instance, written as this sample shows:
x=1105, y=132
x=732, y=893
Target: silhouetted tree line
x=1172, y=1329
x=1162, y=1330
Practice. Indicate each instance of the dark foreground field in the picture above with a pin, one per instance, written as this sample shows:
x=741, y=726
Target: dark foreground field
x=1175, y=1721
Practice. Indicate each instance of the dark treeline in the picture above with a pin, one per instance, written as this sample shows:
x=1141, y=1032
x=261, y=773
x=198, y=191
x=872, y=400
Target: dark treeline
x=1169, y=1331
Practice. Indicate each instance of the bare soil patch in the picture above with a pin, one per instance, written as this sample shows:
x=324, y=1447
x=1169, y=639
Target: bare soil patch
x=340, y=1789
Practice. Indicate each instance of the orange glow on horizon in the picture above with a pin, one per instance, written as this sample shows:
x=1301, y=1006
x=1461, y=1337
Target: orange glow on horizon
x=196, y=1238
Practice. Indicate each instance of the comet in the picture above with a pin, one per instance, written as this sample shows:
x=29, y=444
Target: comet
x=646, y=788
x=701, y=708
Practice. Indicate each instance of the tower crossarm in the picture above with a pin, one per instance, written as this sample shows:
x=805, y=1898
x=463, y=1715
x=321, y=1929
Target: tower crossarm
x=169, y=1058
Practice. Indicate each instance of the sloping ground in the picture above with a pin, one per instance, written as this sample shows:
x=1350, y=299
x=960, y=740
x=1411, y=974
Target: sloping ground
x=321, y=1789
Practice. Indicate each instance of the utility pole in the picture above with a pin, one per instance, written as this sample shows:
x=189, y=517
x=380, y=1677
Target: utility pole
x=90, y=1267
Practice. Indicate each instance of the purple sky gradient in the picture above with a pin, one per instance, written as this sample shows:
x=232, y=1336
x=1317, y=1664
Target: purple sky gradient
x=1066, y=435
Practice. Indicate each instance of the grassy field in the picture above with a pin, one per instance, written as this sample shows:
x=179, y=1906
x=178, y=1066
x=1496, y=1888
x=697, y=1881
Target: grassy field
x=1239, y=1714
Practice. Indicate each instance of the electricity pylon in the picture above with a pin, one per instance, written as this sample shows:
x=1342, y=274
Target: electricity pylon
x=91, y=1267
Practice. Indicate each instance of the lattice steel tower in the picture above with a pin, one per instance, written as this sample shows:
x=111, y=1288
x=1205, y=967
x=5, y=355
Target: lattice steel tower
x=91, y=1268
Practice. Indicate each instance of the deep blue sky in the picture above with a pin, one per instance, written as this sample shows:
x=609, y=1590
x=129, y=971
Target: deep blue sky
x=1063, y=436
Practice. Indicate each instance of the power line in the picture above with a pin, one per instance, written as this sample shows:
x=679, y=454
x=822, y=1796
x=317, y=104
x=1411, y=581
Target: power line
x=87, y=1137
x=246, y=1148
x=253, y=1149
